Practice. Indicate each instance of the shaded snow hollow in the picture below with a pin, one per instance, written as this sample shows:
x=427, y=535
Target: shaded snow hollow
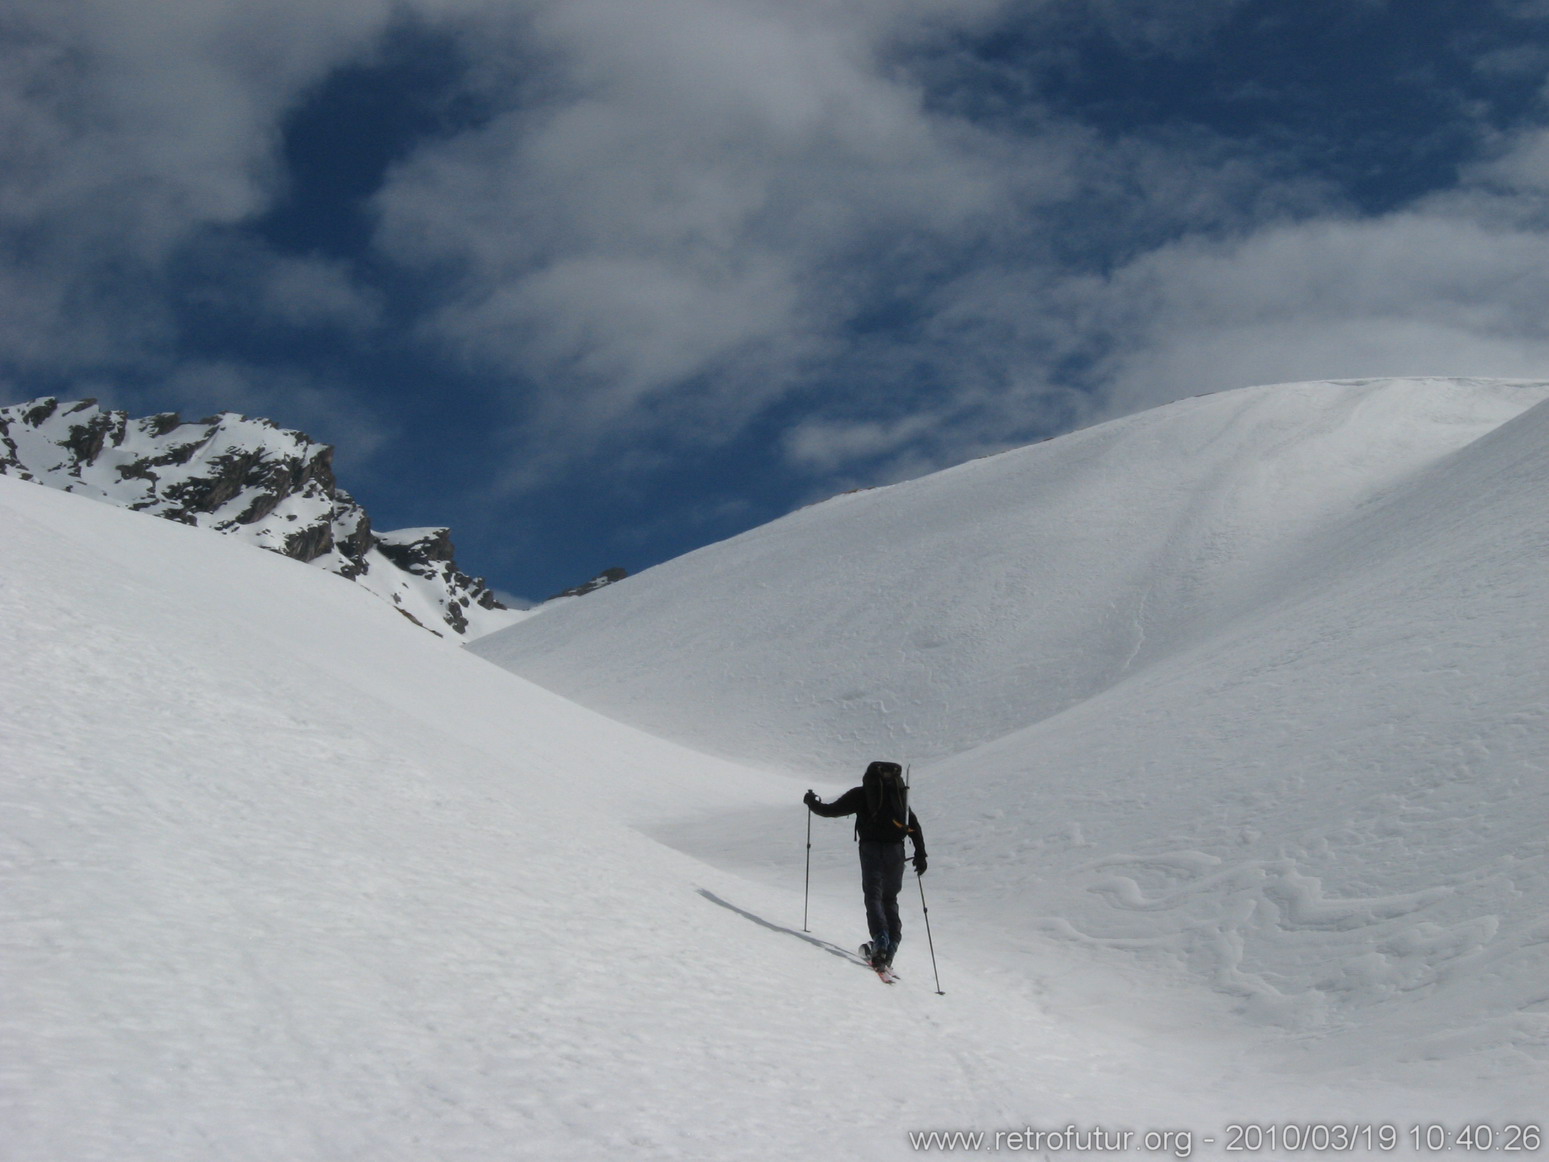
x=1229, y=724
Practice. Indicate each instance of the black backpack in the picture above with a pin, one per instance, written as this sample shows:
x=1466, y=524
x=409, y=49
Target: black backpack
x=887, y=803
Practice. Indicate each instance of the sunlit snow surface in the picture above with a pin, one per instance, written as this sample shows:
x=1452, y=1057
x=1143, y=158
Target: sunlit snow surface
x=1229, y=723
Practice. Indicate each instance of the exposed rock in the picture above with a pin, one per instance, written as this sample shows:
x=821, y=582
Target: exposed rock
x=248, y=478
x=416, y=549
x=606, y=577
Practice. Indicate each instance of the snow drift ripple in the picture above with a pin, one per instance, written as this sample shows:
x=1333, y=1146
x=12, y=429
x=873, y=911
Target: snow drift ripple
x=1335, y=803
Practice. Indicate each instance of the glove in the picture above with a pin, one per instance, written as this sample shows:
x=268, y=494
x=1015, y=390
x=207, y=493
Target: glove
x=919, y=863
x=811, y=799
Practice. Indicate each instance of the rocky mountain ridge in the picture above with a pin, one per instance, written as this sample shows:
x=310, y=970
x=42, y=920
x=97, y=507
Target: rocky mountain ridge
x=249, y=478
x=601, y=581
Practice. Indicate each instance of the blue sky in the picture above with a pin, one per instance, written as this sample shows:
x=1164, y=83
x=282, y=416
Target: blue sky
x=598, y=281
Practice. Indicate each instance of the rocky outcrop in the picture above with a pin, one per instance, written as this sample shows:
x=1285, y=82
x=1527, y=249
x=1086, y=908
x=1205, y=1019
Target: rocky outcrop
x=248, y=478
x=606, y=577
x=429, y=556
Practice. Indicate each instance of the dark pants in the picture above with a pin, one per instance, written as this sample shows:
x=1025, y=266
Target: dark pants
x=882, y=877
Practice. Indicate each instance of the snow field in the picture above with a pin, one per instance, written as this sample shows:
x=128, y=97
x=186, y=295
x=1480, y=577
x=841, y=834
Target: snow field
x=932, y=616
x=286, y=877
x=1250, y=692
x=1234, y=801
x=1371, y=864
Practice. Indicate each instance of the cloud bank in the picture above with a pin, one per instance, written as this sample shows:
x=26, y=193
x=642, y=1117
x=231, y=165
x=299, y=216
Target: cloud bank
x=886, y=230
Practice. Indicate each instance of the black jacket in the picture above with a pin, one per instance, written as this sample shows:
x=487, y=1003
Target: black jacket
x=853, y=802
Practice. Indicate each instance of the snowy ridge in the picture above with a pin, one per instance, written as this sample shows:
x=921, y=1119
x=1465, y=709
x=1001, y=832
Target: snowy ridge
x=247, y=478
x=1254, y=685
x=1334, y=803
x=288, y=878
x=936, y=615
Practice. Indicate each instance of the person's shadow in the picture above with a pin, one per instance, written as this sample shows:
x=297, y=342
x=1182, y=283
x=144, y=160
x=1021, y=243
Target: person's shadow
x=826, y=946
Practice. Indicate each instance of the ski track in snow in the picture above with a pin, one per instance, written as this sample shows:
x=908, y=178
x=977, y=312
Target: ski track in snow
x=286, y=878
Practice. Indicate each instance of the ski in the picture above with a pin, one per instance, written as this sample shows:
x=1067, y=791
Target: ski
x=884, y=973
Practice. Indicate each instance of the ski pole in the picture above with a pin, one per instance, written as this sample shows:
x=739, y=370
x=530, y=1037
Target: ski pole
x=807, y=886
x=919, y=879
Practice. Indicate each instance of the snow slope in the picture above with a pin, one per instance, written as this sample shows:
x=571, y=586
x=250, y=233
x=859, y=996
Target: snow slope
x=1253, y=688
x=288, y=878
x=1333, y=806
x=935, y=615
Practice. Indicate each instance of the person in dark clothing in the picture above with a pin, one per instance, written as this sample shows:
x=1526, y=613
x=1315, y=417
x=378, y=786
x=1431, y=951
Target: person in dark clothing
x=883, y=818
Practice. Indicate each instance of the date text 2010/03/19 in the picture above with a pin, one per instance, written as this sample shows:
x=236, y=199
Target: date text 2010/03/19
x=1514, y=1138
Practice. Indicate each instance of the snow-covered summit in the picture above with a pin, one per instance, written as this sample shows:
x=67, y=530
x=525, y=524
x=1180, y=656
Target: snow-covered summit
x=249, y=478
x=932, y=616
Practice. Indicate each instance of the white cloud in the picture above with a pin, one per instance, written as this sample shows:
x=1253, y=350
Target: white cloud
x=1520, y=168
x=694, y=203
x=129, y=129
x=1409, y=294
x=831, y=445
x=163, y=114
x=689, y=210
x=711, y=194
x=314, y=292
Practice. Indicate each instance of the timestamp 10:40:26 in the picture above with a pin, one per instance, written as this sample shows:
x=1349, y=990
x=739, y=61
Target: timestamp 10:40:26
x=1434, y=1138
